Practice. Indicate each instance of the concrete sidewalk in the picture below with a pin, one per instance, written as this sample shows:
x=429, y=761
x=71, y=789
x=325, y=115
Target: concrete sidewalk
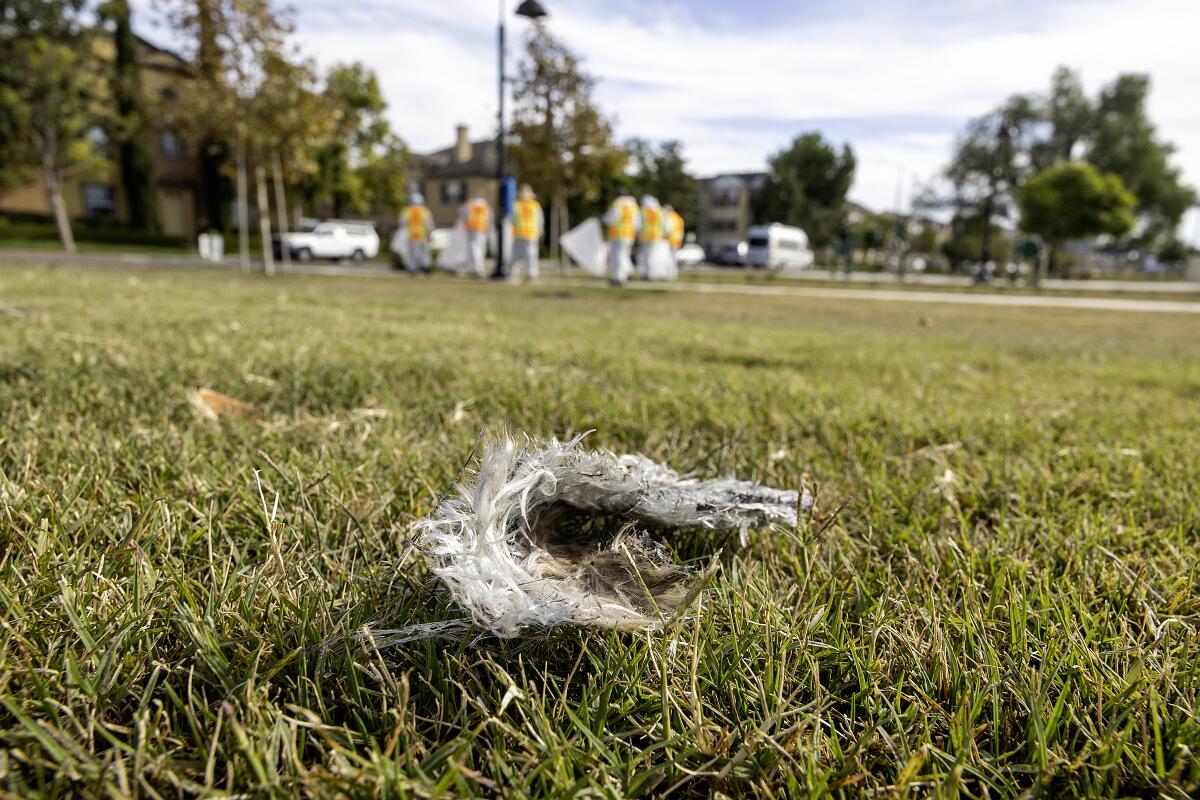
x=868, y=290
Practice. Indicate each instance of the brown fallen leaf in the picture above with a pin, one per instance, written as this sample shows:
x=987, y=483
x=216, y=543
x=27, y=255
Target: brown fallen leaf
x=212, y=405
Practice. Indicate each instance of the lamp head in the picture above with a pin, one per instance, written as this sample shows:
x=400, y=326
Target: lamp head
x=531, y=9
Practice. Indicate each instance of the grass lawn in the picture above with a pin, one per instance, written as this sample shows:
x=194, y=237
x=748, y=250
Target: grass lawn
x=998, y=593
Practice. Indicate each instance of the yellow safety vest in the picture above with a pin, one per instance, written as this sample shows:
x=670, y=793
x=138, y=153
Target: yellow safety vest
x=676, y=228
x=651, y=224
x=526, y=225
x=418, y=223
x=623, y=228
x=477, y=216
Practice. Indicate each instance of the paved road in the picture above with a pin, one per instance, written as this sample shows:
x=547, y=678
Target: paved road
x=959, y=281
x=983, y=297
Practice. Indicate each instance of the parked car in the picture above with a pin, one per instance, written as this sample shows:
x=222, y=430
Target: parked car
x=778, y=246
x=732, y=255
x=689, y=255
x=333, y=239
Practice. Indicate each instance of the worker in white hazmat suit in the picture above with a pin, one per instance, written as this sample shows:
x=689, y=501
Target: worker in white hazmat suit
x=528, y=225
x=417, y=223
x=674, y=227
x=623, y=222
x=656, y=261
x=476, y=217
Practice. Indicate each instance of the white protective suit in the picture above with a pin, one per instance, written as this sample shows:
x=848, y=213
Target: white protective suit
x=656, y=260
x=414, y=253
x=624, y=221
x=477, y=241
x=525, y=250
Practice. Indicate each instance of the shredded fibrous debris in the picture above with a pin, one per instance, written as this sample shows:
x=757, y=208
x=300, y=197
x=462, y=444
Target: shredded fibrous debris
x=519, y=545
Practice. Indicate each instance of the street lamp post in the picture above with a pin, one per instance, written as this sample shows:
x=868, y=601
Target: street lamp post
x=530, y=9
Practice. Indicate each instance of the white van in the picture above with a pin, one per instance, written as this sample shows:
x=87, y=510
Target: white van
x=778, y=246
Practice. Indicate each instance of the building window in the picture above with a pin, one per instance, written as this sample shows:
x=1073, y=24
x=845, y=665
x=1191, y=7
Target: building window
x=101, y=145
x=99, y=200
x=168, y=94
x=454, y=191
x=727, y=198
x=170, y=145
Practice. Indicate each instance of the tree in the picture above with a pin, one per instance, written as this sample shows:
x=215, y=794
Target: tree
x=201, y=26
x=1073, y=200
x=662, y=171
x=806, y=186
x=1125, y=142
x=562, y=144
x=361, y=165
x=244, y=66
x=128, y=124
x=48, y=93
x=1030, y=133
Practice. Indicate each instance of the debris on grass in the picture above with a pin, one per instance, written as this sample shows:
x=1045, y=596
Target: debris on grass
x=547, y=533
x=212, y=405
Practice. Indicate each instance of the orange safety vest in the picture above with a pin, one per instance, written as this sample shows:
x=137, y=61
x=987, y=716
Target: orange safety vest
x=526, y=224
x=418, y=223
x=477, y=216
x=622, y=229
x=676, y=228
x=651, y=224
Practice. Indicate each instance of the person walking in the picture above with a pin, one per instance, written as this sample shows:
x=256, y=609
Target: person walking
x=674, y=225
x=651, y=234
x=417, y=222
x=527, y=231
x=476, y=216
x=623, y=222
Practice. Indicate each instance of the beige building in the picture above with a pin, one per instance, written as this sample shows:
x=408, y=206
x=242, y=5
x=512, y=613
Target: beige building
x=725, y=209
x=450, y=176
x=97, y=194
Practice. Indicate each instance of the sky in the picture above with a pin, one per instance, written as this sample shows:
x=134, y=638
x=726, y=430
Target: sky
x=736, y=80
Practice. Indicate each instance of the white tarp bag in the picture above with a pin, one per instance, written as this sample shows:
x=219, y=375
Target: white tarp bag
x=454, y=256
x=508, y=240
x=585, y=245
x=211, y=246
x=661, y=261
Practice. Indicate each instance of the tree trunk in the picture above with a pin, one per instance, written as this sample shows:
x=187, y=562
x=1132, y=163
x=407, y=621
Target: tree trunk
x=264, y=219
x=243, y=201
x=54, y=194
x=281, y=212
x=552, y=226
x=564, y=225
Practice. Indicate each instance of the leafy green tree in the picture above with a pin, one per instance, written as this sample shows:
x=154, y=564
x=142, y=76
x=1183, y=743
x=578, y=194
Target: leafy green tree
x=1071, y=117
x=806, y=185
x=662, y=171
x=128, y=124
x=202, y=26
x=361, y=164
x=1029, y=133
x=1126, y=143
x=562, y=144
x=48, y=93
x=1073, y=200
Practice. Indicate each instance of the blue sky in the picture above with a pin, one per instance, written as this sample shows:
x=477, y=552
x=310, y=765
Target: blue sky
x=735, y=80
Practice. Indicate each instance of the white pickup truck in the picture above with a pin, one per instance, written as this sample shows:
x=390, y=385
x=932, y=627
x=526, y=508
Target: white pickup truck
x=334, y=239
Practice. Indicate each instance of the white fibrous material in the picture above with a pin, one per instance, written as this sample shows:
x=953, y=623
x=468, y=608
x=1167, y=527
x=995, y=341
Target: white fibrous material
x=521, y=544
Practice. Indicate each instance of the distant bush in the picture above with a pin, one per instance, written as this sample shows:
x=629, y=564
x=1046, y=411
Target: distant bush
x=38, y=228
